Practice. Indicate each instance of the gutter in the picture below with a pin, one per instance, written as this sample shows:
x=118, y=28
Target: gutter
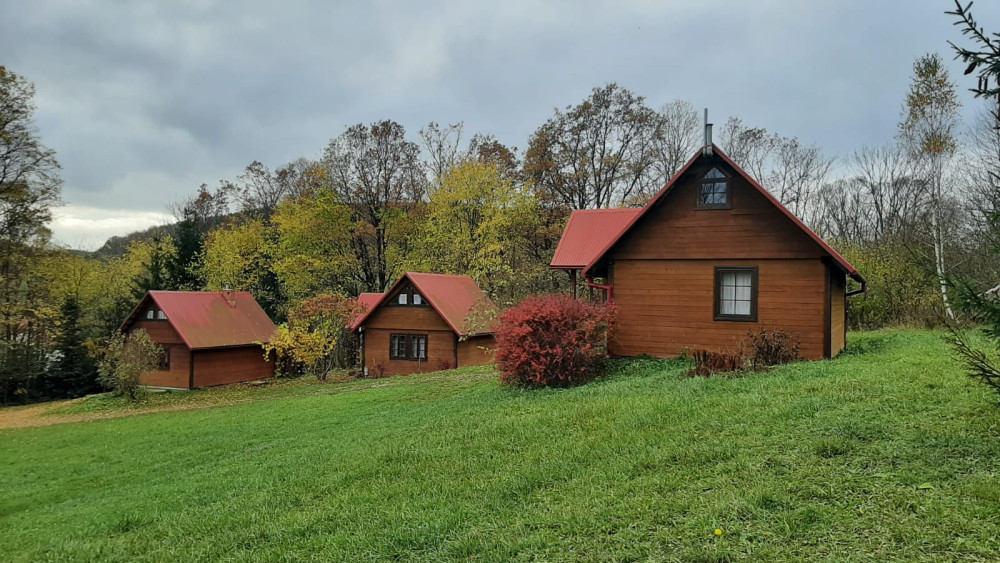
x=609, y=289
x=864, y=289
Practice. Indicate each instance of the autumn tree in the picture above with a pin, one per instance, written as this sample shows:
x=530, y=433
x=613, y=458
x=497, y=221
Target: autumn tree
x=313, y=252
x=257, y=191
x=378, y=174
x=126, y=358
x=599, y=153
x=927, y=132
x=791, y=171
x=315, y=338
x=477, y=223
x=239, y=256
x=679, y=137
x=29, y=188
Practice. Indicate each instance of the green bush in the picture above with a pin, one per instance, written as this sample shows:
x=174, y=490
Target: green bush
x=126, y=358
x=901, y=292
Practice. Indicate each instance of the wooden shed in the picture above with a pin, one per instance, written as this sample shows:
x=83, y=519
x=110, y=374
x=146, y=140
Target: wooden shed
x=425, y=322
x=208, y=338
x=710, y=257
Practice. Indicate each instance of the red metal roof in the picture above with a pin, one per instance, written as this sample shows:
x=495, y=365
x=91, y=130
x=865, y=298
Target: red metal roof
x=587, y=232
x=851, y=270
x=453, y=297
x=367, y=301
x=211, y=319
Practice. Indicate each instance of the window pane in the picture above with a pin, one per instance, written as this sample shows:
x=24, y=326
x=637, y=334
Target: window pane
x=417, y=300
x=714, y=173
x=728, y=292
x=743, y=294
x=742, y=307
x=743, y=278
x=728, y=307
x=149, y=314
x=161, y=315
x=423, y=347
x=402, y=299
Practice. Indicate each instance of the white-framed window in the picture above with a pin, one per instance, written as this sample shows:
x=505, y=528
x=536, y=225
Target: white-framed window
x=417, y=299
x=403, y=299
x=150, y=315
x=160, y=315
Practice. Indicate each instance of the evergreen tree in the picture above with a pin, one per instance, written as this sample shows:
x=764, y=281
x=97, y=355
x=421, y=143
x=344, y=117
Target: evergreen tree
x=74, y=373
x=188, y=244
x=154, y=274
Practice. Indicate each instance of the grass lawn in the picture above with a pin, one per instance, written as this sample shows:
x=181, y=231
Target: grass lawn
x=887, y=452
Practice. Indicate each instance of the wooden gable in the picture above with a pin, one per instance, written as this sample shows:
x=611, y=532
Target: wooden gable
x=748, y=227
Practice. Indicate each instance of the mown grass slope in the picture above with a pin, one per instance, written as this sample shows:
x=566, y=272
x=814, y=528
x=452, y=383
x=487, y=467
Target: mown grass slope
x=888, y=452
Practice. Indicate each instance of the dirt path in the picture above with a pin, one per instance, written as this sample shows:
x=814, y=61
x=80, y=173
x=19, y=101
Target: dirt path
x=34, y=415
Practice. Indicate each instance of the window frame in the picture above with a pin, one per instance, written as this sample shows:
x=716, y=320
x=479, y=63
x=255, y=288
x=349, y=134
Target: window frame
x=164, y=360
x=409, y=291
x=408, y=347
x=717, y=294
x=726, y=179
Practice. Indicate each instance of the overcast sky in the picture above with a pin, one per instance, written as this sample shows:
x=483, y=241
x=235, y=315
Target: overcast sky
x=145, y=101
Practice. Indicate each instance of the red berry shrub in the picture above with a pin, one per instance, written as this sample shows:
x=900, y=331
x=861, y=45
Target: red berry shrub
x=552, y=340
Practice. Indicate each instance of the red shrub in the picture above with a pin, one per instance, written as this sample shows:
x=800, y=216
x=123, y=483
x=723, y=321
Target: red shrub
x=552, y=340
x=444, y=365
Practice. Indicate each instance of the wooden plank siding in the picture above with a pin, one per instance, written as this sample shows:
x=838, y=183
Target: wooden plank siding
x=230, y=365
x=441, y=346
x=666, y=306
x=476, y=351
x=179, y=374
x=752, y=228
x=838, y=311
x=410, y=317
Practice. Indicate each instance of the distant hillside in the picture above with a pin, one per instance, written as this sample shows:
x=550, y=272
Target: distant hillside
x=116, y=246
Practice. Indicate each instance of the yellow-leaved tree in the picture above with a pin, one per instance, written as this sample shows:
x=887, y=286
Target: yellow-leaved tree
x=478, y=223
x=313, y=245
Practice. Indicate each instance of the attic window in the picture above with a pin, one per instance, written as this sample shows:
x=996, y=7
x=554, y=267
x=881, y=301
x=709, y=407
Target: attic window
x=160, y=315
x=150, y=314
x=713, y=192
x=409, y=296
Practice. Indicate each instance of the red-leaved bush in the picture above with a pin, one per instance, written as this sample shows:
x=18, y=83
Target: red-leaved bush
x=552, y=340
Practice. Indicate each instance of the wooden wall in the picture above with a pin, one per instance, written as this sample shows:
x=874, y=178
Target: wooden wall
x=838, y=311
x=440, y=351
x=230, y=365
x=406, y=318
x=471, y=352
x=668, y=305
x=753, y=228
x=179, y=374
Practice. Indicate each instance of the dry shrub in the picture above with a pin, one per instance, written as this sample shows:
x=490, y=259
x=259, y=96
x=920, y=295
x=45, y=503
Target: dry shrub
x=754, y=353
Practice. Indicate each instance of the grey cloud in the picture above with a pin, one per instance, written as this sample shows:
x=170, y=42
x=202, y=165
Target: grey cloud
x=145, y=101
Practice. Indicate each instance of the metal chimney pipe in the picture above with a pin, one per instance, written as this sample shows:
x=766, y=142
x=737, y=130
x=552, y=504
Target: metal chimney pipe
x=707, y=151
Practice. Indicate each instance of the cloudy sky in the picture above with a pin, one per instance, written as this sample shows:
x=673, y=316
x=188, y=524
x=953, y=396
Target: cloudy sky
x=145, y=101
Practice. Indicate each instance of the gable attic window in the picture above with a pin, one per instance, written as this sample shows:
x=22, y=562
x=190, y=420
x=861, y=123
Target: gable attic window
x=160, y=315
x=736, y=294
x=713, y=190
x=409, y=296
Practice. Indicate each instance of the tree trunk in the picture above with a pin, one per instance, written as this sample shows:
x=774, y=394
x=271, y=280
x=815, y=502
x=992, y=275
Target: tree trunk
x=939, y=245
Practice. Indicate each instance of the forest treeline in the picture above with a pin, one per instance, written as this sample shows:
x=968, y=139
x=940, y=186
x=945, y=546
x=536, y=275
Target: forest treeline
x=381, y=200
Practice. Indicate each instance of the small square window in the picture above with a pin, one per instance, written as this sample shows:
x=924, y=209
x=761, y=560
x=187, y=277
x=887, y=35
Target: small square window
x=402, y=299
x=150, y=314
x=714, y=191
x=417, y=299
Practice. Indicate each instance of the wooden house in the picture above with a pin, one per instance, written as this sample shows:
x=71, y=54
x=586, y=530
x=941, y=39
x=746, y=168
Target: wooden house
x=425, y=322
x=208, y=337
x=711, y=256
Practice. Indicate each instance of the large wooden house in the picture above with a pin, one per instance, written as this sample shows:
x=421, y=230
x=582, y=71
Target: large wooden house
x=425, y=322
x=710, y=257
x=208, y=337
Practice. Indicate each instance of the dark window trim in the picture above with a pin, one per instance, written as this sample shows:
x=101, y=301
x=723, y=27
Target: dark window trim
x=752, y=317
x=410, y=292
x=164, y=359
x=408, y=346
x=727, y=179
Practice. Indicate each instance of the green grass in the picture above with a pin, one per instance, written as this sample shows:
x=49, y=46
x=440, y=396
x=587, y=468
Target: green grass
x=888, y=452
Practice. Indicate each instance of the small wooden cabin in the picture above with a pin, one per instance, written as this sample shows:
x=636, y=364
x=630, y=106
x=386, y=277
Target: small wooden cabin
x=208, y=337
x=425, y=322
x=712, y=256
